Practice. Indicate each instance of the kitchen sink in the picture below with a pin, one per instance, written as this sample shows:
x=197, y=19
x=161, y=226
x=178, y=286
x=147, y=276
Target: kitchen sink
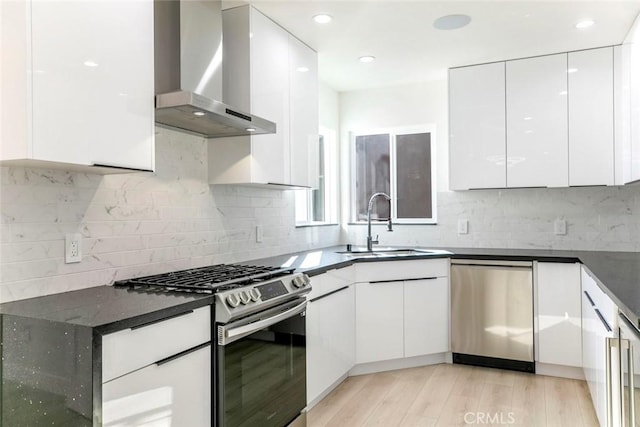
x=386, y=252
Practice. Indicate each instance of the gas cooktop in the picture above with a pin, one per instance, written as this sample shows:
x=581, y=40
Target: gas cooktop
x=210, y=279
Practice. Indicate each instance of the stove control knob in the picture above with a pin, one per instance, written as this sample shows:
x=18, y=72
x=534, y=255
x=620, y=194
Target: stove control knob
x=245, y=297
x=305, y=280
x=255, y=294
x=233, y=301
x=299, y=282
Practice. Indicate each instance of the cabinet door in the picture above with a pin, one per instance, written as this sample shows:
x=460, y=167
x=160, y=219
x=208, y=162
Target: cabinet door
x=477, y=133
x=426, y=316
x=589, y=347
x=537, y=145
x=559, y=314
x=330, y=340
x=591, y=137
x=176, y=393
x=270, y=154
x=379, y=321
x=632, y=46
x=93, y=82
x=304, y=114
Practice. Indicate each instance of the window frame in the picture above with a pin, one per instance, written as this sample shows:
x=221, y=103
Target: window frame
x=330, y=176
x=393, y=184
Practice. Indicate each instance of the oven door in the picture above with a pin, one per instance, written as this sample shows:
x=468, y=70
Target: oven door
x=261, y=368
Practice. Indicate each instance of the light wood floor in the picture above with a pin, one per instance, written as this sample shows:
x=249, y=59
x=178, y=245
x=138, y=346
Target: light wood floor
x=455, y=395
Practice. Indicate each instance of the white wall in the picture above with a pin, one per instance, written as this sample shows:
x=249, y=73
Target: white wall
x=597, y=218
x=137, y=224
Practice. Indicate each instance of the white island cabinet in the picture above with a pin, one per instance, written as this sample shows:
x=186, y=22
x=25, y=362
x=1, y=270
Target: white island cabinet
x=269, y=73
x=401, y=310
x=537, y=144
x=477, y=132
x=77, y=84
x=160, y=373
x=330, y=332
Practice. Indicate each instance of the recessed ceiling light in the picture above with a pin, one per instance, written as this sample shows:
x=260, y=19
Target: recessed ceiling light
x=451, y=22
x=302, y=69
x=322, y=18
x=90, y=63
x=198, y=113
x=367, y=58
x=250, y=129
x=584, y=24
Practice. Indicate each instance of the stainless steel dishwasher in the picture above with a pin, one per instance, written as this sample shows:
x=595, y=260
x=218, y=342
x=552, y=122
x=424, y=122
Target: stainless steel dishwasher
x=492, y=313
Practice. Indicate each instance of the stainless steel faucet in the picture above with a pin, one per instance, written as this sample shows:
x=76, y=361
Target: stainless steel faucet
x=370, y=241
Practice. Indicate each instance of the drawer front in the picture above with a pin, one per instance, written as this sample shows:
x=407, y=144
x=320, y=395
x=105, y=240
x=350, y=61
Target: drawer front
x=330, y=281
x=131, y=349
x=602, y=302
x=402, y=270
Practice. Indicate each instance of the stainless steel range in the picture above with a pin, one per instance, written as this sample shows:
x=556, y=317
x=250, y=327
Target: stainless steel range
x=260, y=361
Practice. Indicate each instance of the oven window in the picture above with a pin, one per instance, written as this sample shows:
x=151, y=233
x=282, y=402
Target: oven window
x=262, y=377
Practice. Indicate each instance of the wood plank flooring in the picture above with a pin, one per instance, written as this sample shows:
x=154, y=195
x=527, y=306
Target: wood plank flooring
x=455, y=395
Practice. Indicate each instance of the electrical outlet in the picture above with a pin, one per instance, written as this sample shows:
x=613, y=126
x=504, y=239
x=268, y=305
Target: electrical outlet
x=463, y=226
x=259, y=234
x=72, y=248
x=560, y=227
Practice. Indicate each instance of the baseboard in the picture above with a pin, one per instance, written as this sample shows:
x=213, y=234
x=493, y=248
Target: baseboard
x=328, y=390
x=561, y=371
x=392, y=365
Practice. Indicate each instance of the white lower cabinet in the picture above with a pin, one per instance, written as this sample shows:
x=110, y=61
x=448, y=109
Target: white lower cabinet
x=175, y=392
x=379, y=321
x=401, y=319
x=601, y=369
x=559, y=314
x=426, y=316
x=330, y=340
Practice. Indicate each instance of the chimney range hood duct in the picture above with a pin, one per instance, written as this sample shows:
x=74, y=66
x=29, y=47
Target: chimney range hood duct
x=188, y=72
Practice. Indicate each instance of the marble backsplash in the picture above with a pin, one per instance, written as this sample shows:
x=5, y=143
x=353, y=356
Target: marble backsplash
x=137, y=224
x=597, y=218
x=147, y=223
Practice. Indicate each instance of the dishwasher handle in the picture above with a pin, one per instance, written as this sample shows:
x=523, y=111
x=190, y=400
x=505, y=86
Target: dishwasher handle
x=490, y=263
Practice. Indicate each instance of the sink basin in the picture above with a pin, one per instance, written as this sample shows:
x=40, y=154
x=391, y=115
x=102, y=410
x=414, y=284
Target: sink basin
x=386, y=252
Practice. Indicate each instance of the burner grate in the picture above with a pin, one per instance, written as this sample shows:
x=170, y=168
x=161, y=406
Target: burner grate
x=207, y=279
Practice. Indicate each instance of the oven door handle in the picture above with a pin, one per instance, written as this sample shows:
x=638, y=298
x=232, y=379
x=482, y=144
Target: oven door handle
x=228, y=333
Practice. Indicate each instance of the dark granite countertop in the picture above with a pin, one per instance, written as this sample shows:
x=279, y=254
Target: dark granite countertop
x=106, y=308
x=618, y=273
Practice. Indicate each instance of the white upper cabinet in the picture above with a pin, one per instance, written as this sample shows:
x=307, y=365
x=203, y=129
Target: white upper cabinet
x=304, y=115
x=629, y=151
x=591, y=117
x=537, y=143
x=79, y=83
x=261, y=76
x=477, y=133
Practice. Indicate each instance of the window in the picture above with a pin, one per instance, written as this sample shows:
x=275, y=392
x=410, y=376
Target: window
x=319, y=205
x=398, y=162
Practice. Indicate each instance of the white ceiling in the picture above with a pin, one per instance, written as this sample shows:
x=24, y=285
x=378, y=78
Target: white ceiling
x=408, y=49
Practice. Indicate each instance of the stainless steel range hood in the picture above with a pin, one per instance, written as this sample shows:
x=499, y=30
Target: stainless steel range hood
x=188, y=72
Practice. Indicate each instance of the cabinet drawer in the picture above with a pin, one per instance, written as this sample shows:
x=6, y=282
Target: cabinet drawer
x=402, y=270
x=330, y=281
x=602, y=302
x=131, y=349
